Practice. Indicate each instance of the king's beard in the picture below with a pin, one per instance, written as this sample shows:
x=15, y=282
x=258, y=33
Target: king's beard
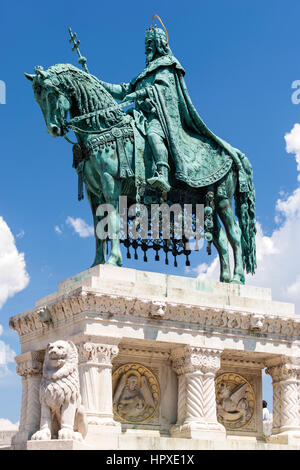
x=150, y=56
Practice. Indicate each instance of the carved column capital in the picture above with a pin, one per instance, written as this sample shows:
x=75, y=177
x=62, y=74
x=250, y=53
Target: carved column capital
x=195, y=359
x=96, y=353
x=30, y=364
x=283, y=371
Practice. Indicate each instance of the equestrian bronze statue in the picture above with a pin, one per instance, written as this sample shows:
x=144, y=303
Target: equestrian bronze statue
x=160, y=150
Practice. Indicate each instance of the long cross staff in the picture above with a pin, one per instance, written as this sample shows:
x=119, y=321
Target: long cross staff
x=82, y=60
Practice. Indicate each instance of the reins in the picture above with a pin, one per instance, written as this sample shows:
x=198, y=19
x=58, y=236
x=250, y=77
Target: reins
x=69, y=125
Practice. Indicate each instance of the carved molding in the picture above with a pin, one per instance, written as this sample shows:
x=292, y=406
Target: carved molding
x=85, y=303
x=144, y=352
x=235, y=362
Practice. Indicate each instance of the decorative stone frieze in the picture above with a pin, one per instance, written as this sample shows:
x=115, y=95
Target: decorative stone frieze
x=86, y=304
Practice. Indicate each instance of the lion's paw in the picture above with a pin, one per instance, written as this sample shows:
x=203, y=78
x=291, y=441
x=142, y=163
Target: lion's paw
x=78, y=436
x=41, y=435
x=66, y=433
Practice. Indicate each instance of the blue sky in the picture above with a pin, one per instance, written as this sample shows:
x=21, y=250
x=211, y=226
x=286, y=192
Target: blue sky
x=240, y=59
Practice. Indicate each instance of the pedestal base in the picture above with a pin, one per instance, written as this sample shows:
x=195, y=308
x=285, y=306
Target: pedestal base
x=57, y=444
x=141, y=441
x=103, y=437
x=287, y=438
x=199, y=430
x=105, y=423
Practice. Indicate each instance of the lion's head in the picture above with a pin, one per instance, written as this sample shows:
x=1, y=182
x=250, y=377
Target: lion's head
x=61, y=359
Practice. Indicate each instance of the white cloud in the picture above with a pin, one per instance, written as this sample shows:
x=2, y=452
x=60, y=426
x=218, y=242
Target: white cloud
x=6, y=354
x=58, y=230
x=6, y=425
x=13, y=279
x=292, y=140
x=13, y=275
x=278, y=255
x=81, y=227
x=20, y=234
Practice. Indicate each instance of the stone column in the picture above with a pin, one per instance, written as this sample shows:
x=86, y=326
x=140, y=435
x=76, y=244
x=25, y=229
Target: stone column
x=286, y=422
x=197, y=415
x=29, y=367
x=95, y=371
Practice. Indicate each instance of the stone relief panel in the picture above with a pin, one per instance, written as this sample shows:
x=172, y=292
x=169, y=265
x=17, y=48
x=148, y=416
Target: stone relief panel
x=235, y=399
x=136, y=393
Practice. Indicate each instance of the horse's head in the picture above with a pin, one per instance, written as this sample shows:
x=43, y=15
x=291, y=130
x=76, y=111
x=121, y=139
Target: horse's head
x=52, y=100
x=64, y=88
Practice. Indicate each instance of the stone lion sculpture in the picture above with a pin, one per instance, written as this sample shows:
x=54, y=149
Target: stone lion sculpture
x=62, y=416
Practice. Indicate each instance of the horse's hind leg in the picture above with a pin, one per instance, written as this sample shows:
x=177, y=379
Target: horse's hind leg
x=221, y=243
x=112, y=191
x=233, y=233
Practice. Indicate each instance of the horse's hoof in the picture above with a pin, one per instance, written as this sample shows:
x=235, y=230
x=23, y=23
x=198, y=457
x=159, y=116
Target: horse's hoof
x=225, y=278
x=114, y=262
x=237, y=279
x=95, y=263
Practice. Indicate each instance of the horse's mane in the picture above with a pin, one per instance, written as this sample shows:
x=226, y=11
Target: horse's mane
x=88, y=92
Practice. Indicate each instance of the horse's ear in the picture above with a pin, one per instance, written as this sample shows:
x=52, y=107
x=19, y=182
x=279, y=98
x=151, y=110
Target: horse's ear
x=29, y=76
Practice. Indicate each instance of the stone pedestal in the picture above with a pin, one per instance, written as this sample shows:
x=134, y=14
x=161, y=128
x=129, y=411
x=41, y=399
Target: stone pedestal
x=165, y=359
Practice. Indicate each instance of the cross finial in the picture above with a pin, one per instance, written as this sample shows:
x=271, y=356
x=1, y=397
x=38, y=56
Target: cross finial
x=82, y=60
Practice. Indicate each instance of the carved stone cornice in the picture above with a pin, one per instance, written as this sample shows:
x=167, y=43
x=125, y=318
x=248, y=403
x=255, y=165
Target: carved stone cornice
x=85, y=303
x=101, y=354
x=189, y=359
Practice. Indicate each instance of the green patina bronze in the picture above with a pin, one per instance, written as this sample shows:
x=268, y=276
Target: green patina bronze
x=160, y=146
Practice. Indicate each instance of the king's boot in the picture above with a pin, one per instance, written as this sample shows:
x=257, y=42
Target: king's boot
x=160, y=180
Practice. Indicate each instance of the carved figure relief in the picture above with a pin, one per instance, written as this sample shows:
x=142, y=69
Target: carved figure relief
x=136, y=393
x=235, y=400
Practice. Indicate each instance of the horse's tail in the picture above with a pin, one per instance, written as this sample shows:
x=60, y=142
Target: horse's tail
x=245, y=212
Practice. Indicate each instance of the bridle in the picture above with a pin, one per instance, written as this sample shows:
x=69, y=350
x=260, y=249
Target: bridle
x=69, y=125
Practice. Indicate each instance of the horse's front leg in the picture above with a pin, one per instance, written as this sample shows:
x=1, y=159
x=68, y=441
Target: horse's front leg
x=233, y=233
x=100, y=241
x=112, y=192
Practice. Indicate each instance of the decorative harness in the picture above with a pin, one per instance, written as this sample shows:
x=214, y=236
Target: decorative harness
x=117, y=134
